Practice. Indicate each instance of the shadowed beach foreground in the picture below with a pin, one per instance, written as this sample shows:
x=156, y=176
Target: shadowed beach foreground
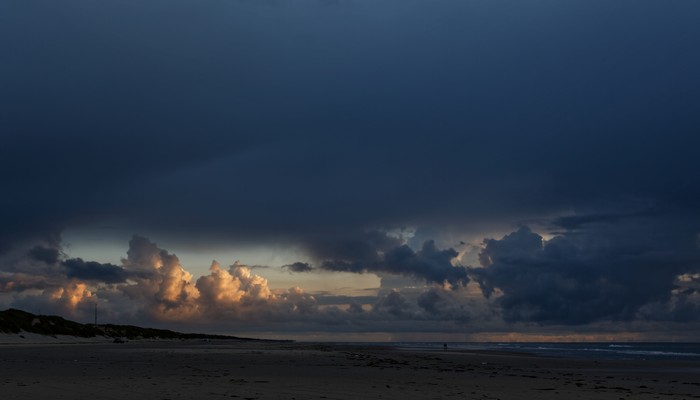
x=254, y=370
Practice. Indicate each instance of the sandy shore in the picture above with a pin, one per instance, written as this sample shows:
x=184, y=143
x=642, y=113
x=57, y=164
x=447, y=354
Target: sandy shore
x=257, y=370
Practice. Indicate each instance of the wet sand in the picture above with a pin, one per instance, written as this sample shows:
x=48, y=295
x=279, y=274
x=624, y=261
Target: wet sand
x=260, y=370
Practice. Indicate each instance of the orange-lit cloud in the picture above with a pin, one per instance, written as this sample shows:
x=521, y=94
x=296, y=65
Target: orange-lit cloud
x=151, y=286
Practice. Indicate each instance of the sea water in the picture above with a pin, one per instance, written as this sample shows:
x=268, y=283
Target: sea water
x=629, y=351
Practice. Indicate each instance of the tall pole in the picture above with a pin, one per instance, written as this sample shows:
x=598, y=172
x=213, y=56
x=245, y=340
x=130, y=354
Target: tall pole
x=95, y=315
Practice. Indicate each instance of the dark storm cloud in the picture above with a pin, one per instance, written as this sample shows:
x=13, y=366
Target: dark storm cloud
x=429, y=263
x=94, y=272
x=378, y=252
x=353, y=246
x=46, y=255
x=298, y=267
x=282, y=120
x=575, y=222
x=45, y=267
x=610, y=271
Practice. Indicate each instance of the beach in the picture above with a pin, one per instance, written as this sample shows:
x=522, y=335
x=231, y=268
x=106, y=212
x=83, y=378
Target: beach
x=187, y=369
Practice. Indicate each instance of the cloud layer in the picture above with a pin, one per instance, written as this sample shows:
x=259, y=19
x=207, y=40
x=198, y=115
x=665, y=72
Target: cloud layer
x=605, y=270
x=462, y=114
x=328, y=127
x=589, y=277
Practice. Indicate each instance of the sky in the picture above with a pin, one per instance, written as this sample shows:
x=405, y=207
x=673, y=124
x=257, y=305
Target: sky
x=354, y=169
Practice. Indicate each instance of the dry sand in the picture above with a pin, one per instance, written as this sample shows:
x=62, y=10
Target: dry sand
x=261, y=370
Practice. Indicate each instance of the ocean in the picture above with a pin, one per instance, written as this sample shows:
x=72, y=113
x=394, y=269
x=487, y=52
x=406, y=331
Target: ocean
x=620, y=351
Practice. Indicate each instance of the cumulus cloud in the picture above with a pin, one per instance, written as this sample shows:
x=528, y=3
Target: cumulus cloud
x=589, y=275
x=603, y=271
x=233, y=292
x=441, y=304
x=71, y=299
x=394, y=304
x=151, y=284
x=432, y=301
x=165, y=288
x=17, y=282
x=32, y=266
